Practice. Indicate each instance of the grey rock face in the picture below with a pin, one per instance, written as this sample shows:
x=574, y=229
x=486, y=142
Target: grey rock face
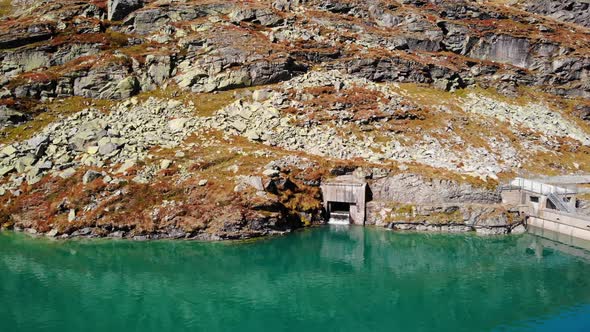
x=395, y=69
x=287, y=5
x=485, y=219
x=9, y=117
x=106, y=83
x=21, y=60
x=486, y=231
x=261, y=16
x=209, y=73
x=34, y=33
x=91, y=176
x=119, y=9
x=573, y=11
x=151, y=19
x=505, y=49
x=519, y=229
x=159, y=69
x=414, y=189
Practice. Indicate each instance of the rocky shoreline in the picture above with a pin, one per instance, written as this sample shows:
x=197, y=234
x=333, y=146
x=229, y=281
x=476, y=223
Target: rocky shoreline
x=177, y=234
x=152, y=119
x=403, y=202
x=93, y=233
x=458, y=228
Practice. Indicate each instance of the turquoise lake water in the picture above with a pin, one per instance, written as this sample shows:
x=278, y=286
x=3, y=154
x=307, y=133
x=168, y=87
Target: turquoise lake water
x=326, y=279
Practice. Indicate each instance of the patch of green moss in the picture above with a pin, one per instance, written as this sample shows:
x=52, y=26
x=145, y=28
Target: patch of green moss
x=405, y=209
x=117, y=39
x=306, y=222
x=406, y=213
x=5, y=8
x=443, y=218
x=205, y=104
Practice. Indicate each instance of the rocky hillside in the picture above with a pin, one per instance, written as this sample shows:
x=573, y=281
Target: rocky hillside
x=219, y=119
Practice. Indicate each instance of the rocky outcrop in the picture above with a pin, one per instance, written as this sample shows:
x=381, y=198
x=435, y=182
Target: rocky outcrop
x=389, y=69
x=27, y=34
x=415, y=189
x=503, y=48
x=406, y=45
x=119, y=9
x=152, y=19
x=29, y=59
x=213, y=73
x=577, y=11
x=10, y=117
x=451, y=218
x=265, y=17
x=110, y=82
x=118, y=78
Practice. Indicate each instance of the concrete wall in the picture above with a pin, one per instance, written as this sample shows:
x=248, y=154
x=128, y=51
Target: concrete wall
x=336, y=192
x=520, y=197
x=512, y=197
x=539, y=217
x=351, y=193
x=563, y=223
x=567, y=230
x=357, y=215
x=562, y=242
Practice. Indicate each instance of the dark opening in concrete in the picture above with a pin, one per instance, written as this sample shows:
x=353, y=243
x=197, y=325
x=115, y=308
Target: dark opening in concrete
x=345, y=198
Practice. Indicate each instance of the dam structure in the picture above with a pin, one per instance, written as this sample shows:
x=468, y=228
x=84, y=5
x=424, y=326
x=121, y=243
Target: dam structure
x=549, y=205
x=345, y=199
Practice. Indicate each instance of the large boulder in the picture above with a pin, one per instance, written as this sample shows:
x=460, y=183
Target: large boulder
x=9, y=117
x=119, y=9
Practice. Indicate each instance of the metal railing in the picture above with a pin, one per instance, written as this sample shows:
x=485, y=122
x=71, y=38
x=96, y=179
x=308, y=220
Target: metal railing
x=538, y=187
x=559, y=203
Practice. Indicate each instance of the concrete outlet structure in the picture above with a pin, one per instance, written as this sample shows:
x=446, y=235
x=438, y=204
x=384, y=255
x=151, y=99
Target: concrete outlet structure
x=550, y=207
x=345, y=199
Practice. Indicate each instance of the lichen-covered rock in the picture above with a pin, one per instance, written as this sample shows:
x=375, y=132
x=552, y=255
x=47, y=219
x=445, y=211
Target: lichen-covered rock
x=10, y=117
x=119, y=9
x=574, y=11
x=17, y=36
x=415, y=189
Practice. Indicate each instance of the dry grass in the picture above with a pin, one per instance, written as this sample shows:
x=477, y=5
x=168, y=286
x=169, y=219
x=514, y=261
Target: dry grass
x=46, y=113
x=407, y=213
x=205, y=104
x=5, y=7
